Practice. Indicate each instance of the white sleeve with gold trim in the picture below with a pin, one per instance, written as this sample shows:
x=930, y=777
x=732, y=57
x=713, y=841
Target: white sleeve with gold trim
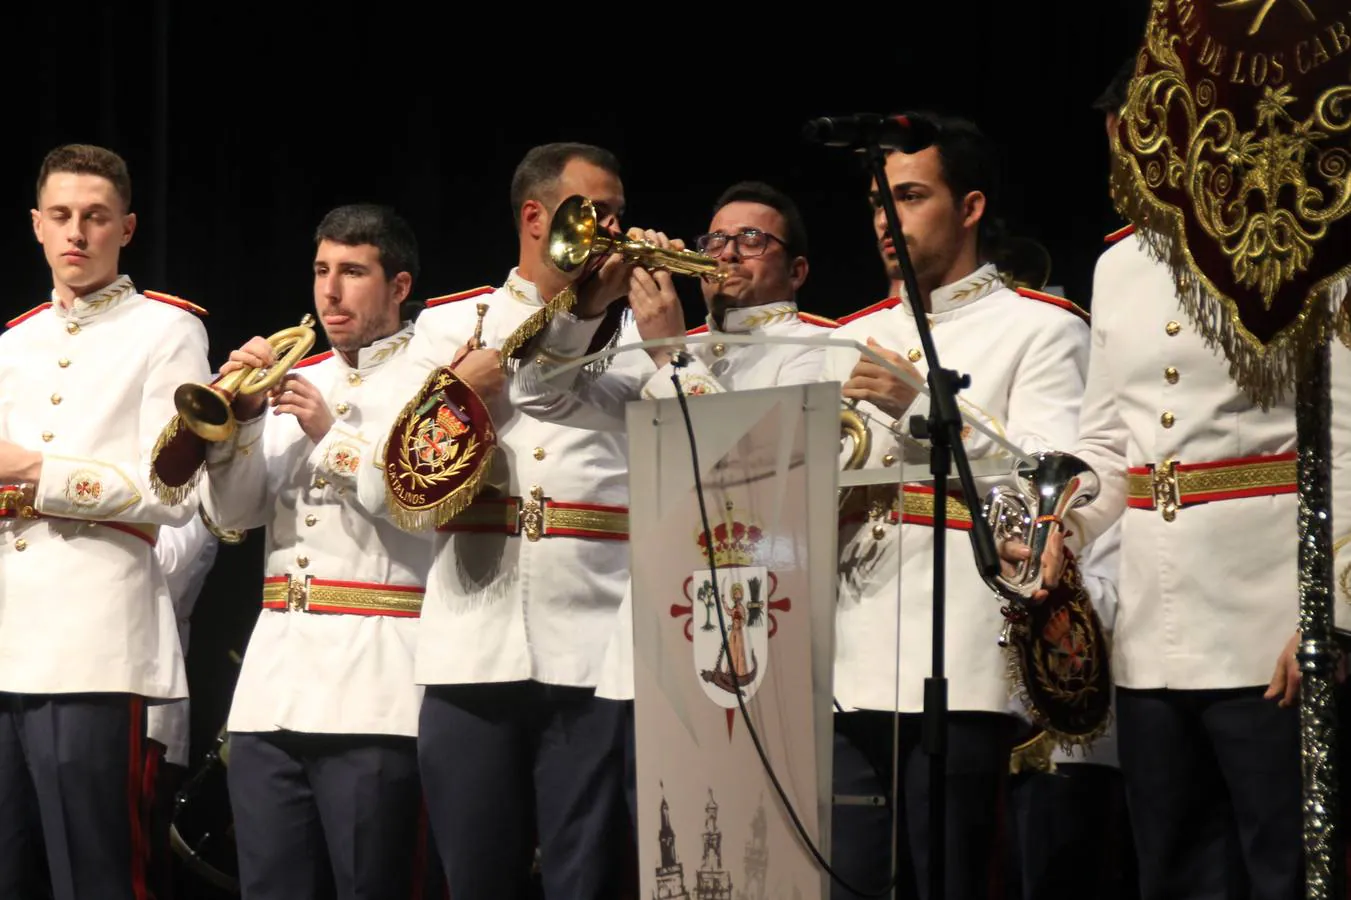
x=119, y=489
x=233, y=489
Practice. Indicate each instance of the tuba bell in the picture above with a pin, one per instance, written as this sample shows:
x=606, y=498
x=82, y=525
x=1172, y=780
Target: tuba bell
x=1059, y=483
x=576, y=238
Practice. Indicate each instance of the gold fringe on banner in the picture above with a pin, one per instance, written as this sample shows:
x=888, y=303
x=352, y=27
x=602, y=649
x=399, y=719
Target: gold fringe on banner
x=173, y=494
x=563, y=301
x=422, y=495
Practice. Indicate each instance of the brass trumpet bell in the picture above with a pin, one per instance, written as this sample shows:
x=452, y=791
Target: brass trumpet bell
x=205, y=408
x=575, y=238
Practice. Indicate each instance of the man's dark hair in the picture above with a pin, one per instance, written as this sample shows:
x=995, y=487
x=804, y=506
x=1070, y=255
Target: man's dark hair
x=537, y=175
x=1113, y=97
x=795, y=231
x=970, y=163
x=87, y=159
x=379, y=226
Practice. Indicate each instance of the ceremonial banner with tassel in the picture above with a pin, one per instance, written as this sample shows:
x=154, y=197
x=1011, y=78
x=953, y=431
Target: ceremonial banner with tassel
x=1233, y=159
x=438, y=453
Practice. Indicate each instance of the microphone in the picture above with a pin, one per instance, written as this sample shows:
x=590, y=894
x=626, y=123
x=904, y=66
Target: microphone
x=908, y=134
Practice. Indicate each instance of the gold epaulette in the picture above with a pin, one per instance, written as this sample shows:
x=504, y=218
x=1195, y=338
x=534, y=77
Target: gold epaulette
x=1052, y=299
x=175, y=301
x=462, y=295
x=28, y=315
x=869, y=310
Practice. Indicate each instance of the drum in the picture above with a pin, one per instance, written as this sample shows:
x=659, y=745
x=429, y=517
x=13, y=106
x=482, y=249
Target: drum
x=202, y=831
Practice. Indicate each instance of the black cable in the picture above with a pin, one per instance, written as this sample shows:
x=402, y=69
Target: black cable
x=740, y=695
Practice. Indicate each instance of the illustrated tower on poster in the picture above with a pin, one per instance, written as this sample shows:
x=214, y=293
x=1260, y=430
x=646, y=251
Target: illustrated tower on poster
x=670, y=874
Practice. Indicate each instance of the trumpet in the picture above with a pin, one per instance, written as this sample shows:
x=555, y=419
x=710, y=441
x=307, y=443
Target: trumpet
x=576, y=238
x=1059, y=483
x=205, y=416
x=205, y=408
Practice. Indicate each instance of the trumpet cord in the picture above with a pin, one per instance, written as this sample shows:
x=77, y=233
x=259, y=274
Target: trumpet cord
x=740, y=694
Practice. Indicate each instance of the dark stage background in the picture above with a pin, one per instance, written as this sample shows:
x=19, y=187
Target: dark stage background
x=243, y=125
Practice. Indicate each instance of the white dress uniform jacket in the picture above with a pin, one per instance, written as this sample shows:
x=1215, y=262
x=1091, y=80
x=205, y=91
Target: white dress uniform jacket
x=1209, y=599
x=309, y=670
x=521, y=606
x=1026, y=359
x=91, y=387
x=713, y=369
x=186, y=554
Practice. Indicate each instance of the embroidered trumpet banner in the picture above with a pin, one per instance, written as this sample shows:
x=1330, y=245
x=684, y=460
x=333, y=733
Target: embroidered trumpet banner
x=1233, y=156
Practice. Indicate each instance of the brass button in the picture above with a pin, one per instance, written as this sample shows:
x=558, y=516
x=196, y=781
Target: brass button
x=1167, y=419
x=879, y=531
x=321, y=482
x=915, y=355
x=539, y=453
x=719, y=349
x=353, y=378
x=72, y=328
x=63, y=362
x=1170, y=375
x=302, y=561
x=56, y=399
x=311, y=519
x=889, y=460
x=1172, y=328
x=47, y=436
x=21, y=545
x=342, y=409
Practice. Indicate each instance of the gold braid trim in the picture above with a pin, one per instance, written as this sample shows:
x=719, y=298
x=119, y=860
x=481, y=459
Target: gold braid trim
x=563, y=301
x=171, y=495
x=454, y=503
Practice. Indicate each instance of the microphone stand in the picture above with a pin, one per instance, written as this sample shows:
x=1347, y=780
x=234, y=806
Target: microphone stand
x=944, y=431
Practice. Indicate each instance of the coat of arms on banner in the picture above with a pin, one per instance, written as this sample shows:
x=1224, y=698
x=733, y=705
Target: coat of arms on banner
x=744, y=594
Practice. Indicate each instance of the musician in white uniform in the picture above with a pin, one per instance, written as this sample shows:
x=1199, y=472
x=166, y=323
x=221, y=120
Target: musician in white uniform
x=522, y=598
x=186, y=554
x=1202, y=481
x=87, y=627
x=758, y=236
x=323, y=763
x=1026, y=354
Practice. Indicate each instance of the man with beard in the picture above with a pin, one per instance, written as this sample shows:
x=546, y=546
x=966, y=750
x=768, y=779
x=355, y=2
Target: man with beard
x=323, y=769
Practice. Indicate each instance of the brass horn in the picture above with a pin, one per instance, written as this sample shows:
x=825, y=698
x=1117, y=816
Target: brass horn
x=575, y=238
x=1058, y=483
x=205, y=408
x=854, y=432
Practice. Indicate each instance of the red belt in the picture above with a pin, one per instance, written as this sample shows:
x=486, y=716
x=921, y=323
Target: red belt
x=353, y=598
x=1172, y=485
x=539, y=516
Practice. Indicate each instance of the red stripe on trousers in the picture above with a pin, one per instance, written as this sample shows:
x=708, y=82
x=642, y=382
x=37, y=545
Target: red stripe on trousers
x=136, y=761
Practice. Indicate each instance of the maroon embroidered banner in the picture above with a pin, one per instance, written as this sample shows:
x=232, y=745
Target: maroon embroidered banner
x=1232, y=157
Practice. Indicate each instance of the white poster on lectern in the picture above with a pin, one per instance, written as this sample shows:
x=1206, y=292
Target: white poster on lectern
x=735, y=610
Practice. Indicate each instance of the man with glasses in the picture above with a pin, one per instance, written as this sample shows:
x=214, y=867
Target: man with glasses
x=758, y=236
